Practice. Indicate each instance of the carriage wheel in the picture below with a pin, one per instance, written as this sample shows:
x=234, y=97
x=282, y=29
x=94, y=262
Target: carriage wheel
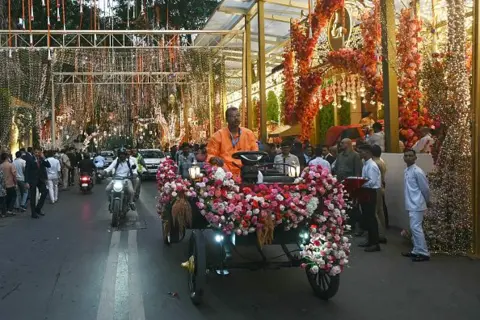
x=196, y=266
x=324, y=286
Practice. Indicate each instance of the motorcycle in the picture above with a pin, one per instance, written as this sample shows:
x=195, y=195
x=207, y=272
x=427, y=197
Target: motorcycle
x=119, y=205
x=86, y=182
x=99, y=176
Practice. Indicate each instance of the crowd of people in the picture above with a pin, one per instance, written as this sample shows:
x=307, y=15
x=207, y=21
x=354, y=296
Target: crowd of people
x=32, y=170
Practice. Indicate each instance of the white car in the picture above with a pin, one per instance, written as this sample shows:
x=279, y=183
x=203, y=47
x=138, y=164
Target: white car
x=153, y=158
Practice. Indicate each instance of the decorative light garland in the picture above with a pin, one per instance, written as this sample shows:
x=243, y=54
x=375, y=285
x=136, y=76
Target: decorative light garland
x=448, y=224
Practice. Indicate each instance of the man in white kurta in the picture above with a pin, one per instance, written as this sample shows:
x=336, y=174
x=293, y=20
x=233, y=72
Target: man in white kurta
x=417, y=199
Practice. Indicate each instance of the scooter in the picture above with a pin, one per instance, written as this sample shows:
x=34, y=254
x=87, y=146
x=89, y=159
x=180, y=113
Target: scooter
x=99, y=176
x=86, y=183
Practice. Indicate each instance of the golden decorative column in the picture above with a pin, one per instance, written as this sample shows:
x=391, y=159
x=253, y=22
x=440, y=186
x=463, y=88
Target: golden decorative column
x=262, y=70
x=390, y=91
x=248, y=72
x=476, y=127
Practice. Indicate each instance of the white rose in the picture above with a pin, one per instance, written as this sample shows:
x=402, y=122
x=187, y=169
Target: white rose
x=314, y=269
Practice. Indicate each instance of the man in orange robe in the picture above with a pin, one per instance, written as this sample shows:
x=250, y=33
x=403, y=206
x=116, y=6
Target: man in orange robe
x=227, y=141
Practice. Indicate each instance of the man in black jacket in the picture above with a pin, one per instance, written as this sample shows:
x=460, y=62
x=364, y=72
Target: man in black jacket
x=36, y=177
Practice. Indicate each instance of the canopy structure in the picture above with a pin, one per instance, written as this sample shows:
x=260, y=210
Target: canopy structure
x=266, y=26
x=236, y=14
x=233, y=15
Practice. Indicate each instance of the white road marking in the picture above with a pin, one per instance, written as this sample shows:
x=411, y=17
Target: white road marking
x=106, y=307
x=137, y=309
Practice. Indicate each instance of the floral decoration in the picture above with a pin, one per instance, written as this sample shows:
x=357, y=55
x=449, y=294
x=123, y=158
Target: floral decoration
x=316, y=200
x=289, y=75
x=412, y=116
x=304, y=40
x=364, y=61
x=170, y=185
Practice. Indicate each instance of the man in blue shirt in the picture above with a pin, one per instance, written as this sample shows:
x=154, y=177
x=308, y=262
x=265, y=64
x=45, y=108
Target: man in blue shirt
x=99, y=161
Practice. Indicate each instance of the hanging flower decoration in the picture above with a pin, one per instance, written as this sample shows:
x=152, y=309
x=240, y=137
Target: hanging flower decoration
x=303, y=42
x=289, y=75
x=412, y=116
x=365, y=61
x=316, y=200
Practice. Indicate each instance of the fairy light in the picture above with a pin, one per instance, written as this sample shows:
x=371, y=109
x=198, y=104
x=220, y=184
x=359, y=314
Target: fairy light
x=448, y=224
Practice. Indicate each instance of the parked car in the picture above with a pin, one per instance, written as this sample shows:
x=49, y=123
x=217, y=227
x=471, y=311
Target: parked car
x=153, y=158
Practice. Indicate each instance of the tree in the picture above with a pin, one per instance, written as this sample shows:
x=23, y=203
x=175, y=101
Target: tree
x=180, y=14
x=273, y=107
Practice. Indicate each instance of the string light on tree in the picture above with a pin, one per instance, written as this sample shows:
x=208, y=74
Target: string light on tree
x=448, y=224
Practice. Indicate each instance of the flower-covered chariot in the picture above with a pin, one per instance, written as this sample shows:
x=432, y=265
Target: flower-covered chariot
x=262, y=207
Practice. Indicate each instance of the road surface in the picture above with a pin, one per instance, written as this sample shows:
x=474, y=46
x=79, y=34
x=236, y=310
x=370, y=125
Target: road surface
x=71, y=265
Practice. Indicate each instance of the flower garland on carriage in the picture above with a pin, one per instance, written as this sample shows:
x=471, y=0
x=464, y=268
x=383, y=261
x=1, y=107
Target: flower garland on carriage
x=316, y=200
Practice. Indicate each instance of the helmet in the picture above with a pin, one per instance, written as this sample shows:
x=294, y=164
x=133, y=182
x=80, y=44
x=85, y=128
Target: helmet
x=122, y=151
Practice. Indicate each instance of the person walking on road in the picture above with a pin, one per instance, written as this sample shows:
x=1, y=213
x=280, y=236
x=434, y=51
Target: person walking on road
x=417, y=200
x=22, y=195
x=53, y=173
x=3, y=196
x=10, y=176
x=36, y=177
x=66, y=167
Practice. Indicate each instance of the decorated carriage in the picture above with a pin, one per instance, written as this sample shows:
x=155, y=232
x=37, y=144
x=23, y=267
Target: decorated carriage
x=306, y=209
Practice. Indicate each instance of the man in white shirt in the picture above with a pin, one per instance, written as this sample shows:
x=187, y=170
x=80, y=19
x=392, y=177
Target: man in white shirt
x=66, y=166
x=124, y=167
x=417, y=199
x=368, y=202
x=22, y=195
x=53, y=174
x=425, y=144
x=286, y=158
x=319, y=160
x=378, y=136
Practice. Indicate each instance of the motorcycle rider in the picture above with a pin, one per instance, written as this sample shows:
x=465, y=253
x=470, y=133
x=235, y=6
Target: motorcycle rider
x=99, y=161
x=124, y=167
x=141, y=167
x=86, y=165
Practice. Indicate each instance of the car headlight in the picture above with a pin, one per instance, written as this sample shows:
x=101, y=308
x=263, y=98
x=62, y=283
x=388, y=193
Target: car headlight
x=118, y=186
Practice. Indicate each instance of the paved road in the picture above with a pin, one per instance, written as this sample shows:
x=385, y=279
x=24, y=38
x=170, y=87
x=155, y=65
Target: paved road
x=70, y=265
